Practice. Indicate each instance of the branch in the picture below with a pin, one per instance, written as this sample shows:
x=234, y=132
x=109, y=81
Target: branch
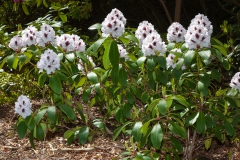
x=219, y=3
x=178, y=7
x=233, y=2
x=166, y=11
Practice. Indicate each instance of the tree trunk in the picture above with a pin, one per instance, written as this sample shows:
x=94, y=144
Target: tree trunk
x=178, y=7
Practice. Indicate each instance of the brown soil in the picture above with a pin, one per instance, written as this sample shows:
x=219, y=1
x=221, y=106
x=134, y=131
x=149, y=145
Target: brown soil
x=102, y=147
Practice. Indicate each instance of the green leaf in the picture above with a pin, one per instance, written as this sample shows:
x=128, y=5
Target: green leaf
x=98, y=123
x=39, y=115
x=31, y=139
x=177, y=144
x=67, y=110
x=12, y=61
x=140, y=61
x=118, y=130
x=106, y=61
x=132, y=38
x=114, y=54
x=221, y=49
x=188, y=57
x=156, y=136
x=42, y=79
x=170, y=46
x=205, y=79
x=130, y=97
x=229, y=128
x=24, y=7
x=115, y=74
x=176, y=129
x=55, y=84
x=208, y=143
x=194, y=118
x=135, y=131
x=201, y=122
x=205, y=54
x=95, y=26
x=123, y=77
x=95, y=46
x=215, y=74
x=92, y=77
x=162, y=106
x=51, y=114
x=63, y=17
x=86, y=94
x=161, y=77
x=150, y=64
x=70, y=139
x=22, y=129
x=161, y=61
x=181, y=100
x=217, y=54
x=39, y=133
x=226, y=64
x=202, y=88
x=83, y=135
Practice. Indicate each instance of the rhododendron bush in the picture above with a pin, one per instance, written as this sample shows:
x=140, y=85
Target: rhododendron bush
x=165, y=92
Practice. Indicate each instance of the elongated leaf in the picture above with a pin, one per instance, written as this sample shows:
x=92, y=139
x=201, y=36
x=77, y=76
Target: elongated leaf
x=176, y=143
x=181, y=100
x=123, y=77
x=96, y=45
x=114, y=54
x=208, y=143
x=201, y=122
x=24, y=7
x=176, y=129
x=22, y=129
x=39, y=133
x=67, y=110
x=98, y=123
x=51, y=113
x=205, y=54
x=140, y=61
x=115, y=74
x=135, y=131
x=162, y=106
x=118, y=130
x=55, y=84
x=95, y=26
x=194, y=119
x=39, y=115
x=83, y=135
x=150, y=64
x=202, y=88
x=42, y=79
x=156, y=136
x=92, y=77
x=188, y=57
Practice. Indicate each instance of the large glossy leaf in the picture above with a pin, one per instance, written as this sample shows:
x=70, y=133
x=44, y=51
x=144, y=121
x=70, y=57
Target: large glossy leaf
x=67, y=110
x=201, y=122
x=188, y=57
x=55, y=84
x=39, y=115
x=83, y=135
x=22, y=129
x=150, y=64
x=176, y=143
x=39, y=132
x=95, y=26
x=162, y=106
x=114, y=54
x=42, y=79
x=135, y=131
x=92, y=77
x=202, y=88
x=205, y=54
x=181, y=100
x=51, y=114
x=123, y=77
x=176, y=129
x=157, y=136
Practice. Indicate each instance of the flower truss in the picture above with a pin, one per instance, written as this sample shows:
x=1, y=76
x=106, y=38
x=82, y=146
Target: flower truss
x=153, y=45
x=45, y=35
x=235, y=82
x=16, y=43
x=176, y=33
x=49, y=61
x=122, y=51
x=29, y=35
x=201, y=19
x=145, y=28
x=23, y=106
x=114, y=24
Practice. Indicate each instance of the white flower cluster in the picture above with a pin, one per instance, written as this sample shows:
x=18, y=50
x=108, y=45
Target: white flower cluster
x=49, y=61
x=199, y=32
x=172, y=61
x=144, y=28
x=235, y=82
x=176, y=32
x=153, y=45
x=23, y=106
x=46, y=35
x=122, y=51
x=114, y=24
x=70, y=43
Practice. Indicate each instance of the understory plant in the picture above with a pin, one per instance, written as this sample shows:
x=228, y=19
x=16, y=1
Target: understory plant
x=166, y=95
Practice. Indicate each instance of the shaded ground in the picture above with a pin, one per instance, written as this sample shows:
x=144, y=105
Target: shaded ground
x=100, y=148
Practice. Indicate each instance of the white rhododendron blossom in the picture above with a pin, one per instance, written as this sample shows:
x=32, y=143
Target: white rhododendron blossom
x=144, y=28
x=78, y=44
x=65, y=41
x=23, y=106
x=201, y=19
x=45, y=35
x=16, y=43
x=172, y=61
x=153, y=45
x=49, y=61
x=122, y=51
x=197, y=37
x=235, y=82
x=29, y=36
x=81, y=64
x=114, y=24
x=176, y=32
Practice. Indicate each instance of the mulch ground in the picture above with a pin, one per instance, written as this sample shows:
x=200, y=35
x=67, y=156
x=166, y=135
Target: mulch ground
x=102, y=147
